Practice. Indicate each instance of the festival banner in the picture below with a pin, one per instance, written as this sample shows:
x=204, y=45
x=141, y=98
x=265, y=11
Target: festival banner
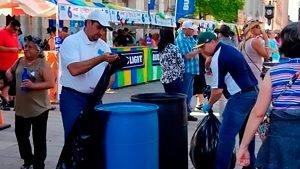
x=130, y=17
x=184, y=7
x=155, y=57
x=79, y=13
x=151, y=4
x=135, y=58
x=157, y=20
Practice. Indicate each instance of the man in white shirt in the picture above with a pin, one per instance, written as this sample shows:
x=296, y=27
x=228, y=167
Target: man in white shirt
x=84, y=57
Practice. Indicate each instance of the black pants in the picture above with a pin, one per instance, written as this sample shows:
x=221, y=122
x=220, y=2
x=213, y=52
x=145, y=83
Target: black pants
x=39, y=129
x=199, y=83
x=174, y=87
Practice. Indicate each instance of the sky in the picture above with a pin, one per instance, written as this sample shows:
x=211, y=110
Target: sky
x=293, y=9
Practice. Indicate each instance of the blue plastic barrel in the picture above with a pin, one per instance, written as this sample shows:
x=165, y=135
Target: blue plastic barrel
x=131, y=139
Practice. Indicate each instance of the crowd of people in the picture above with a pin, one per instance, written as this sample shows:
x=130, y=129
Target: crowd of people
x=125, y=37
x=237, y=73
x=235, y=66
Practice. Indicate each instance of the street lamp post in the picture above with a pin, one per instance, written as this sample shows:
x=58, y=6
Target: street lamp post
x=269, y=12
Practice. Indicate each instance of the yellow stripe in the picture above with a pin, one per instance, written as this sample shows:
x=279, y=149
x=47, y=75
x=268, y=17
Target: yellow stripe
x=126, y=49
x=146, y=55
x=127, y=77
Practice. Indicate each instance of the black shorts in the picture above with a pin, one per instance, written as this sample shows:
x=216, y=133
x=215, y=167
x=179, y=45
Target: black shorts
x=199, y=83
x=3, y=77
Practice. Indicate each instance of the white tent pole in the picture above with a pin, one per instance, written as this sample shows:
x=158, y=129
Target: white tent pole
x=176, y=10
x=57, y=20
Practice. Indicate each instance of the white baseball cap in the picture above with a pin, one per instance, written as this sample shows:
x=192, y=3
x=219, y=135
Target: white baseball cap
x=96, y=16
x=188, y=24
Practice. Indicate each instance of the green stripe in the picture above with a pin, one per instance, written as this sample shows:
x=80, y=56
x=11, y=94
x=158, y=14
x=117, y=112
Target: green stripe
x=149, y=65
x=159, y=72
x=140, y=74
x=154, y=73
x=121, y=79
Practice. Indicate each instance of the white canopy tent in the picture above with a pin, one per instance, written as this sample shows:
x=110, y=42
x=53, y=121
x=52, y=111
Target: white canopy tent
x=35, y=8
x=33, y=15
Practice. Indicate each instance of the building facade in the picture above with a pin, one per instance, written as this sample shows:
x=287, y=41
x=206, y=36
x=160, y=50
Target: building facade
x=255, y=9
x=280, y=14
x=294, y=10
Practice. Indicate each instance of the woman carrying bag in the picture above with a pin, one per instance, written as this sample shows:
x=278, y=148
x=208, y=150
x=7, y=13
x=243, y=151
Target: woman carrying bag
x=255, y=47
x=281, y=148
x=33, y=79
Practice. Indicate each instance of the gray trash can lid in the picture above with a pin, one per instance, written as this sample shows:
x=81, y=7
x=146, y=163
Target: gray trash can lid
x=162, y=97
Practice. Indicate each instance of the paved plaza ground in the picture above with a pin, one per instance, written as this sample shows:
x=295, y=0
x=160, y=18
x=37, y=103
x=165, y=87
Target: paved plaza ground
x=9, y=155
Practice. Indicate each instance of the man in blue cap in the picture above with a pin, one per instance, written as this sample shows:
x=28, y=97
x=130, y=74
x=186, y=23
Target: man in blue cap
x=230, y=71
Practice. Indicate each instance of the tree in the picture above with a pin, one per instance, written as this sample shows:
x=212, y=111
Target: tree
x=226, y=10
x=202, y=8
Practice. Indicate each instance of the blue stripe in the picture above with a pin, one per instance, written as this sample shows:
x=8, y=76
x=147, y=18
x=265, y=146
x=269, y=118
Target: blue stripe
x=287, y=68
x=134, y=76
x=115, y=84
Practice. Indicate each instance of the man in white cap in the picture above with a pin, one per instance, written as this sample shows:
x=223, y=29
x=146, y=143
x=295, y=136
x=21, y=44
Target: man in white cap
x=186, y=43
x=84, y=56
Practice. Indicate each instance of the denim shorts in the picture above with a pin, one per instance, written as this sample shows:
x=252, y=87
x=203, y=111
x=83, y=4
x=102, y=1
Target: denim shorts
x=281, y=149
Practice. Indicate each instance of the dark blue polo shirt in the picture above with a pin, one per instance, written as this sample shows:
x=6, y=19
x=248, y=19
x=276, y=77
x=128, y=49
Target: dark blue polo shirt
x=230, y=70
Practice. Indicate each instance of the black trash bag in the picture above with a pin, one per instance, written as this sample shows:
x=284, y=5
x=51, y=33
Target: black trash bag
x=84, y=146
x=204, y=143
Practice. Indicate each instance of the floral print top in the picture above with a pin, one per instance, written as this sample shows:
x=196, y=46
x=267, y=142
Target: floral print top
x=172, y=64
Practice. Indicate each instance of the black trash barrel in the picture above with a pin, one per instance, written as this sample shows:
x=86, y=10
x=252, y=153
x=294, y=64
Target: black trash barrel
x=172, y=126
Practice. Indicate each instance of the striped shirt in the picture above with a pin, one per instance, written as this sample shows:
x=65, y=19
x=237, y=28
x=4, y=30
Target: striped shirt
x=284, y=97
x=185, y=45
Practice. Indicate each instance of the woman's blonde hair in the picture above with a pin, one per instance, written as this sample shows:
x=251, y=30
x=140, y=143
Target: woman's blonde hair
x=247, y=28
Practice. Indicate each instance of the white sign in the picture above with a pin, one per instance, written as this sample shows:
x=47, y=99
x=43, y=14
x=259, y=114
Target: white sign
x=186, y=5
x=131, y=17
x=79, y=13
x=167, y=22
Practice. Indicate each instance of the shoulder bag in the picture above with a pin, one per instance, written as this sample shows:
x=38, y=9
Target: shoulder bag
x=263, y=128
x=12, y=85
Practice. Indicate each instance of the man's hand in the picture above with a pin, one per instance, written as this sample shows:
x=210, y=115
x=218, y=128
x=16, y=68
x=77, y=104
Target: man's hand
x=206, y=107
x=110, y=58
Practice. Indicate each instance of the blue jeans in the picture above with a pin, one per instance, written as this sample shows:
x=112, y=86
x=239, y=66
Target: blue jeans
x=188, y=83
x=174, y=86
x=71, y=104
x=281, y=149
x=235, y=115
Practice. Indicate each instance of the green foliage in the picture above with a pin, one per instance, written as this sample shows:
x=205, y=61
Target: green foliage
x=226, y=10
